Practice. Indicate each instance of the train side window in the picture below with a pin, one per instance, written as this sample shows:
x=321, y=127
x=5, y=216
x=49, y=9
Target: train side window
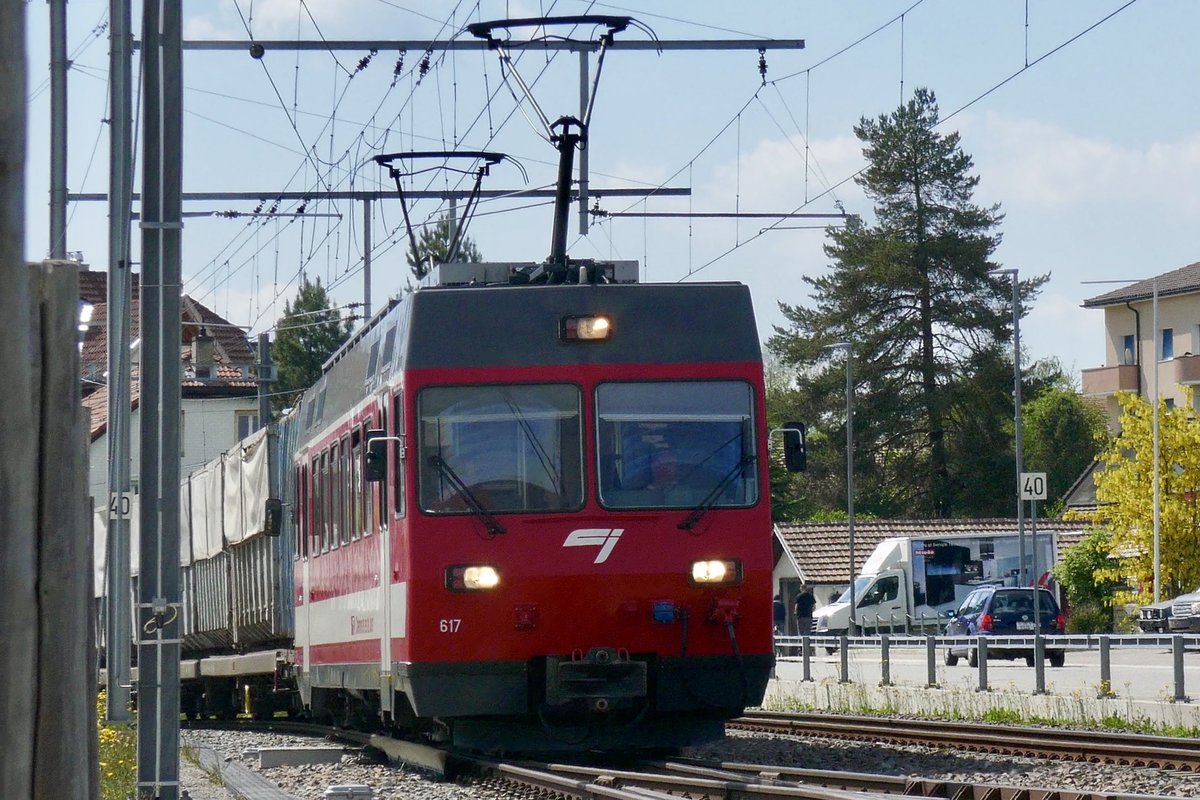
x=389, y=346
x=328, y=473
x=337, y=489
x=348, y=493
x=372, y=361
x=318, y=532
x=357, y=492
x=398, y=455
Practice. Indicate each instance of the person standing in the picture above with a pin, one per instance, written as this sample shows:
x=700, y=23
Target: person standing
x=805, y=603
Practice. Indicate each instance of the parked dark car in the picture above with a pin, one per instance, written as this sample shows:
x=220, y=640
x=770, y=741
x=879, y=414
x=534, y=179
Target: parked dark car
x=1156, y=617
x=1004, y=611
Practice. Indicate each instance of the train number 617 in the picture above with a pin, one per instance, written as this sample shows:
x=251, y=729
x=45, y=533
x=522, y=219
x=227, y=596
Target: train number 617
x=449, y=625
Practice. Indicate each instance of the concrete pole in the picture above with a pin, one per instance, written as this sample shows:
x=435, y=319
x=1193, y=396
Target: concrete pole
x=1157, y=477
x=366, y=266
x=1020, y=445
x=120, y=186
x=158, y=617
x=58, y=129
x=850, y=481
x=583, y=148
x=264, y=381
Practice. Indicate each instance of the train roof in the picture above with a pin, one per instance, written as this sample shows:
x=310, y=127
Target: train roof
x=455, y=325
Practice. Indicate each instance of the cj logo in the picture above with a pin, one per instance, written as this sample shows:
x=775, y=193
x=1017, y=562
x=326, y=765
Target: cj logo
x=604, y=538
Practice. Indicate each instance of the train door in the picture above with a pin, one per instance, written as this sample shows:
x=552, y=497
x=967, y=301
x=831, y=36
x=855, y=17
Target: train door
x=380, y=517
x=302, y=594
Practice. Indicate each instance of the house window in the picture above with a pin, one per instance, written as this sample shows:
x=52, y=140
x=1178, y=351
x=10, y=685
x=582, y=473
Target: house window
x=247, y=423
x=1168, y=344
x=1128, y=354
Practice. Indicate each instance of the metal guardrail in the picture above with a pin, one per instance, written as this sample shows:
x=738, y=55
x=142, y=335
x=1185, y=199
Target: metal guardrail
x=802, y=647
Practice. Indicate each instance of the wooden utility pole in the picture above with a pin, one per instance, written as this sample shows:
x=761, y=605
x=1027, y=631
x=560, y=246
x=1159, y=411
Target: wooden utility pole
x=18, y=609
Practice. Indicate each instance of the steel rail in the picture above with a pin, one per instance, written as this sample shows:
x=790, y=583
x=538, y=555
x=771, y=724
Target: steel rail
x=1098, y=747
x=892, y=784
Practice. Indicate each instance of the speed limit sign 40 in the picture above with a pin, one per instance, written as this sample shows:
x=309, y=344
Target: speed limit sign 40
x=1033, y=486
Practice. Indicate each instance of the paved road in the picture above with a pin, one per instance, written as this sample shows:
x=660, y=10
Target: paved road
x=1142, y=675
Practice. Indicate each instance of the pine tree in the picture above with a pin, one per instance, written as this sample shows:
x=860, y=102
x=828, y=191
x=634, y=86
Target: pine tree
x=433, y=246
x=927, y=324
x=309, y=332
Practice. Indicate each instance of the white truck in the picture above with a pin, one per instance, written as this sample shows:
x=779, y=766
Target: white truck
x=913, y=583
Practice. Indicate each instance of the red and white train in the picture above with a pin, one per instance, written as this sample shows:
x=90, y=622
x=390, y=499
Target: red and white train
x=522, y=517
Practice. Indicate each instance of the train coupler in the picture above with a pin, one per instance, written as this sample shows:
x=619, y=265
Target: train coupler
x=603, y=679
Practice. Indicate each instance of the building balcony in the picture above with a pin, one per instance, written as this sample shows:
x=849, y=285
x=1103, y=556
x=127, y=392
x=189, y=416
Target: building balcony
x=1101, y=381
x=1187, y=370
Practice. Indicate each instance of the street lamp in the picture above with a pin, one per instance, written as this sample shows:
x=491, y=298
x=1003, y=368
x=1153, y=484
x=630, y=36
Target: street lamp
x=1157, y=355
x=1016, y=307
x=845, y=348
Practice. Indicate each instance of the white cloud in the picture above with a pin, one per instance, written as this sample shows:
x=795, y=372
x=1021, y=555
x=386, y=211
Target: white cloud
x=1040, y=164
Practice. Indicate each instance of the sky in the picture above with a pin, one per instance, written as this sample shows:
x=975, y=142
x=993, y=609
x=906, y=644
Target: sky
x=1081, y=117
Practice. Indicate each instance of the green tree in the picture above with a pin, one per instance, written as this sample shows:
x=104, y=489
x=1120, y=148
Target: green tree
x=433, y=246
x=1125, y=497
x=1085, y=573
x=308, y=333
x=1062, y=434
x=928, y=326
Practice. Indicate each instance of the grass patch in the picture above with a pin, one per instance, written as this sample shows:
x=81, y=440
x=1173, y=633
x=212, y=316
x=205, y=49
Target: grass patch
x=118, y=756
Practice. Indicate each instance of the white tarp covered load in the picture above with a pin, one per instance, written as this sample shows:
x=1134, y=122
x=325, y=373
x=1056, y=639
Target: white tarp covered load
x=185, y=524
x=231, y=509
x=207, y=499
x=256, y=483
x=100, y=525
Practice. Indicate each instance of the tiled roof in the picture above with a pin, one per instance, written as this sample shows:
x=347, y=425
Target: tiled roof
x=821, y=550
x=93, y=286
x=1184, y=280
x=231, y=350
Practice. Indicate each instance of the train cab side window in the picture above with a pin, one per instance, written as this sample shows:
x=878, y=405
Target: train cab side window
x=398, y=455
x=299, y=512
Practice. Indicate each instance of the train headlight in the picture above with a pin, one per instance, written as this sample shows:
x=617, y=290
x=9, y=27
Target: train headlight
x=471, y=578
x=595, y=328
x=717, y=572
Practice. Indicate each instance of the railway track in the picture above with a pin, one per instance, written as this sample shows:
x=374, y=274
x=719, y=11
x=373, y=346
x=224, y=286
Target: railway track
x=695, y=779
x=1098, y=747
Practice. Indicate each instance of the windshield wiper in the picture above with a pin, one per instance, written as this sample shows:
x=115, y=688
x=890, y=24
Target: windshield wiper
x=710, y=499
x=446, y=471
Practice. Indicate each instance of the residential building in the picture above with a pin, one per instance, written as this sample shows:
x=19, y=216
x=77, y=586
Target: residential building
x=1131, y=354
x=219, y=395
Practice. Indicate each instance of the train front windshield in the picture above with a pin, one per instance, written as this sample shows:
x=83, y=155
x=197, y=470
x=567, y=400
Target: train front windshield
x=506, y=448
x=676, y=444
